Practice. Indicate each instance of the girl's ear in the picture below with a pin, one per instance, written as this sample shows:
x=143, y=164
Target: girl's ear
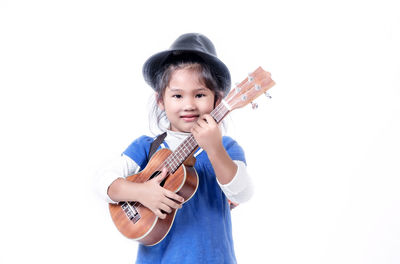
x=218, y=101
x=160, y=102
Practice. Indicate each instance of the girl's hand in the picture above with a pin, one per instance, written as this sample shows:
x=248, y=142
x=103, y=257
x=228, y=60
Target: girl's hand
x=207, y=134
x=209, y=137
x=158, y=199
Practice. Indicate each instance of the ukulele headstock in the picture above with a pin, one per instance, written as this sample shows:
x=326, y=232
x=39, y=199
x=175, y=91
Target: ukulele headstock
x=257, y=83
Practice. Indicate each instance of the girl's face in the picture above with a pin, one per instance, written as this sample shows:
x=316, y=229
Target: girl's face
x=185, y=99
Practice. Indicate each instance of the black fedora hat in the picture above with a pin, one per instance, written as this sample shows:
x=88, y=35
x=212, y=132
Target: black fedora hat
x=191, y=47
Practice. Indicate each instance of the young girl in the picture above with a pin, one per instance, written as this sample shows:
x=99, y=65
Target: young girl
x=189, y=81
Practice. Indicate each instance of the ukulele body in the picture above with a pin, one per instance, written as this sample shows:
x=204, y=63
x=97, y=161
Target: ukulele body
x=134, y=220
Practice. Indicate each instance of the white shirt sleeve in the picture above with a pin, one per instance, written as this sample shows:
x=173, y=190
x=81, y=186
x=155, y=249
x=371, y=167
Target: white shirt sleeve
x=240, y=189
x=120, y=167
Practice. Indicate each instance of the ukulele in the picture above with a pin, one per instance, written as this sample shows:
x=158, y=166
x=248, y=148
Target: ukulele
x=136, y=221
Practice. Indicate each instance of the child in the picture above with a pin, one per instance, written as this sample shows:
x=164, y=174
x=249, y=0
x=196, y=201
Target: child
x=189, y=81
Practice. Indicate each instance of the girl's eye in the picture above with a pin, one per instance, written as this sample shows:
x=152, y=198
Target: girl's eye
x=200, y=95
x=177, y=96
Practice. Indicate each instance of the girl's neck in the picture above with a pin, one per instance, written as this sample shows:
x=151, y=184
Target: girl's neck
x=177, y=133
x=175, y=138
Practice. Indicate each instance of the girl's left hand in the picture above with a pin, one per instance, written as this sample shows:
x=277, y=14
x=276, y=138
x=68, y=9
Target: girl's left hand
x=207, y=133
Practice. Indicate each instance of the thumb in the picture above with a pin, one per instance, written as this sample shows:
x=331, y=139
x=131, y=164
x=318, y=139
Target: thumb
x=162, y=175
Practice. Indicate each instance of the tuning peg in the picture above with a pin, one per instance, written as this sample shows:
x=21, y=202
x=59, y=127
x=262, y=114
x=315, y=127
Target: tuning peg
x=254, y=105
x=267, y=95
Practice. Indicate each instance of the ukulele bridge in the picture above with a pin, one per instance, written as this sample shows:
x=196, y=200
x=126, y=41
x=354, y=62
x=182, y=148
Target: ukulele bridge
x=130, y=211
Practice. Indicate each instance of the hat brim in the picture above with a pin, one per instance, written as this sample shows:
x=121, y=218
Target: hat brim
x=161, y=59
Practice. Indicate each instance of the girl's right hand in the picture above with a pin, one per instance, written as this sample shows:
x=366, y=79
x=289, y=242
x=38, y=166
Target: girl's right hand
x=158, y=199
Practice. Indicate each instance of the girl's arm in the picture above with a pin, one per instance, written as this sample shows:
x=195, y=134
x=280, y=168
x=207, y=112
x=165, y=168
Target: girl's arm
x=119, y=167
x=224, y=167
x=231, y=175
x=150, y=193
x=208, y=135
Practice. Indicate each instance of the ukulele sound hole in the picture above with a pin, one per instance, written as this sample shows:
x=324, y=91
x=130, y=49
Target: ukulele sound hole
x=156, y=173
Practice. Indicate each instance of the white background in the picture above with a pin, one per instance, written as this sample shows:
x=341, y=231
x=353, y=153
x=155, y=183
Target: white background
x=324, y=152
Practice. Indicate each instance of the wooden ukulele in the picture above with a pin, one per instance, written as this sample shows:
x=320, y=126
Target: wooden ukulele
x=137, y=222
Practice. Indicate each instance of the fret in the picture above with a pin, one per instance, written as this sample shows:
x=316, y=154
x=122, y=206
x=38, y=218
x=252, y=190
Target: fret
x=168, y=166
x=179, y=160
x=175, y=163
x=186, y=149
x=219, y=112
x=181, y=156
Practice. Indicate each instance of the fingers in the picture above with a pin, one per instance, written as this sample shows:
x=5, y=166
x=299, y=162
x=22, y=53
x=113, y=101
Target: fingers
x=162, y=201
x=166, y=208
x=206, y=120
x=174, y=196
x=161, y=210
x=159, y=214
x=162, y=175
x=173, y=200
x=209, y=120
x=203, y=122
x=167, y=204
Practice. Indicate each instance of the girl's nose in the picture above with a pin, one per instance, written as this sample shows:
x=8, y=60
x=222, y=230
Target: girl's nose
x=189, y=104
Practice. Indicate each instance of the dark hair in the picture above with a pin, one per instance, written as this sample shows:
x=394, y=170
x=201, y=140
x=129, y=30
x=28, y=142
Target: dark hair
x=182, y=61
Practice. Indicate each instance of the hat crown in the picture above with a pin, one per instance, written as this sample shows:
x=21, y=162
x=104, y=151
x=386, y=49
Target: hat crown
x=192, y=47
x=194, y=42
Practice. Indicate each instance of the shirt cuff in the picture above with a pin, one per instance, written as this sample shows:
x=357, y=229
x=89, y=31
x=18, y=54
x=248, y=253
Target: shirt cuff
x=240, y=188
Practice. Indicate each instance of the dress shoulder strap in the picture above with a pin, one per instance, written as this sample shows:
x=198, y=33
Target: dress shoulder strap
x=156, y=143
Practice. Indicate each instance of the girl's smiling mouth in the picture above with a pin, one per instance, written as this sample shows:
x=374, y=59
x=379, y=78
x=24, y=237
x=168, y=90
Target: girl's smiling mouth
x=189, y=118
